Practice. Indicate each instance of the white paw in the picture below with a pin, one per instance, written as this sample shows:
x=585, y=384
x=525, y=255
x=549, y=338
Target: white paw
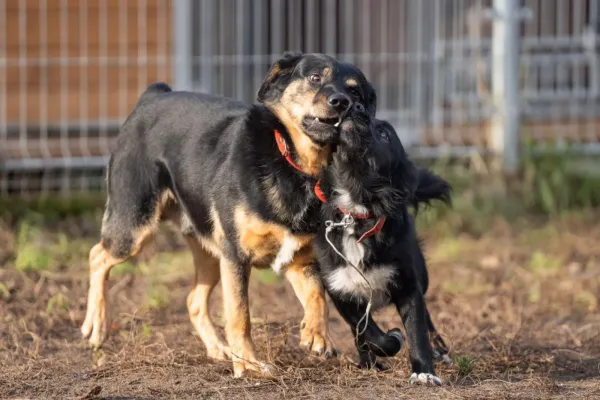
x=425, y=379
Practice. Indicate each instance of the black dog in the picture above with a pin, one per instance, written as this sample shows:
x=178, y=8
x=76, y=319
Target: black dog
x=239, y=181
x=369, y=187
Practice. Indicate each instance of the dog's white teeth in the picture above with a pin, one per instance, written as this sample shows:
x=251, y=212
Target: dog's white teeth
x=316, y=119
x=337, y=124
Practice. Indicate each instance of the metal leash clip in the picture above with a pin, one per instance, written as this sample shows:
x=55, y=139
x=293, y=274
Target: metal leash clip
x=346, y=221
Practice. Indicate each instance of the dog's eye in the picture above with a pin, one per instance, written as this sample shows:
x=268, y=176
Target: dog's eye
x=384, y=135
x=354, y=92
x=314, y=78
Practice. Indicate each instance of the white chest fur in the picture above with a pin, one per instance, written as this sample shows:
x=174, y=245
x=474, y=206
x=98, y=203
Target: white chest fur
x=345, y=279
x=286, y=252
x=353, y=251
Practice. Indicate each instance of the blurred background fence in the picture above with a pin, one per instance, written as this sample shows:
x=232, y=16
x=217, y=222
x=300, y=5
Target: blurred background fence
x=455, y=77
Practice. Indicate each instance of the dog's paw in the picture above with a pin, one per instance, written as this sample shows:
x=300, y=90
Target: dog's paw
x=442, y=357
x=397, y=334
x=316, y=340
x=219, y=352
x=245, y=368
x=424, y=379
x=95, y=328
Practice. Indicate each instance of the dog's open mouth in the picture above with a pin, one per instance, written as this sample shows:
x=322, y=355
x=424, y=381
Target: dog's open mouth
x=356, y=122
x=335, y=122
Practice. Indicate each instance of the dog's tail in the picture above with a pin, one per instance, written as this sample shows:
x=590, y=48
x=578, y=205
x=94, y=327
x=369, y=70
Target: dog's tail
x=431, y=187
x=154, y=90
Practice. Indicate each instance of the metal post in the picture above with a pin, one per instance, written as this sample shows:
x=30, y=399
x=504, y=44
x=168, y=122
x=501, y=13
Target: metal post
x=505, y=82
x=182, y=35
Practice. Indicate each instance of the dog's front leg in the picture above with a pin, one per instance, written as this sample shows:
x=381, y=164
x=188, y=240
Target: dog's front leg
x=411, y=306
x=237, y=312
x=370, y=340
x=314, y=329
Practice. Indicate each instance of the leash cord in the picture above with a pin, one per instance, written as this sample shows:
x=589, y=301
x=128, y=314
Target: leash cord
x=346, y=221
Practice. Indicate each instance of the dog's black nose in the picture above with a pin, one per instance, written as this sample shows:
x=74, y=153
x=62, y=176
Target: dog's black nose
x=339, y=101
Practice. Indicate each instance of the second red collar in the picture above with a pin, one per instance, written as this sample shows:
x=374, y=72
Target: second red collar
x=285, y=152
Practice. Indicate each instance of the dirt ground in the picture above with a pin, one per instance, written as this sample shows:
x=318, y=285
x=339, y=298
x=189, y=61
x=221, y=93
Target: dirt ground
x=518, y=307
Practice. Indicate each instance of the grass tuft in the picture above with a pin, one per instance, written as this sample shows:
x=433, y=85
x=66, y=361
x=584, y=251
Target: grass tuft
x=157, y=297
x=30, y=256
x=541, y=262
x=464, y=364
x=57, y=302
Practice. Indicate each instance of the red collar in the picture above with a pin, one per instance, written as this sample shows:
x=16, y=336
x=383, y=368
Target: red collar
x=285, y=152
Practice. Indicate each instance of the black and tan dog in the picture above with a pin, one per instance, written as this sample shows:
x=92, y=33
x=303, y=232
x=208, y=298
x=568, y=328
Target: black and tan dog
x=369, y=249
x=239, y=180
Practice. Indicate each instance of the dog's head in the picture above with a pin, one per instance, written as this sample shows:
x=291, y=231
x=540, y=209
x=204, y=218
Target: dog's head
x=372, y=164
x=311, y=93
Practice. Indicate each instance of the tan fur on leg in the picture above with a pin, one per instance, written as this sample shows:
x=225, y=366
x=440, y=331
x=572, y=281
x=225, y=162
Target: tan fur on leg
x=95, y=326
x=237, y=312
x=207, y=277
x=97, y=319
x=314, y=333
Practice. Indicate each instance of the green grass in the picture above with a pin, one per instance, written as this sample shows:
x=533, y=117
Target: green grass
x=586, y=301
x=446, y=250
x=4, y=292
x=145, y=331
x=266, y=276
x=126, y=268
x=541, y=262
x=51, y=208
x=157, y=297
x=30, y=255
x=534, y=294
x=464, y=364
x=549, y=186
x=57, y=302
x=453, y=287
x=38, y=250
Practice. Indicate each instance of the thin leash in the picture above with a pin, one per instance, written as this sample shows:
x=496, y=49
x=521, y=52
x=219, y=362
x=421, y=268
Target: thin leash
x=346, y=221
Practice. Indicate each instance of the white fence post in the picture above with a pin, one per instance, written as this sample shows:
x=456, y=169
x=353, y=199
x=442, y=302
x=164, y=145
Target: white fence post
x=505, y=82
x=182, y=44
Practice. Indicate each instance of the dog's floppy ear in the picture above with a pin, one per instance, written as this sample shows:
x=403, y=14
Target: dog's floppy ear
x=406, y=177
x=277, y=77
x=371, y=104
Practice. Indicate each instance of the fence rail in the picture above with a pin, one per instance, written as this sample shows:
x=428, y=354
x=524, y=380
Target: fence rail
x=71, y=70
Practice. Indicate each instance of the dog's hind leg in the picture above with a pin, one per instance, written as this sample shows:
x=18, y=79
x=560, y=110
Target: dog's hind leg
x=440, y=349
x=207, y=277
x=102, y=259
x=126, y=228
x=95, y=325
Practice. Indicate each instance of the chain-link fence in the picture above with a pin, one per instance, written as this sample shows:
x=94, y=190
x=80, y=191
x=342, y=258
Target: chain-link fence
x=71, y=70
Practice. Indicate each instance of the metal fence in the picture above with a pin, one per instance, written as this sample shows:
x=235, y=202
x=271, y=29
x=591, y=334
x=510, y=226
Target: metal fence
x=453, y=76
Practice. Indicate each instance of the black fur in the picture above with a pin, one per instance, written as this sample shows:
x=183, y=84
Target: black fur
x=371, y=169
x=211, y=150
x=199, y=159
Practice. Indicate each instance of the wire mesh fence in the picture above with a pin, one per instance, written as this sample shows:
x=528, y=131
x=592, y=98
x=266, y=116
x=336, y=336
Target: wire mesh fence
x=71, y=70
